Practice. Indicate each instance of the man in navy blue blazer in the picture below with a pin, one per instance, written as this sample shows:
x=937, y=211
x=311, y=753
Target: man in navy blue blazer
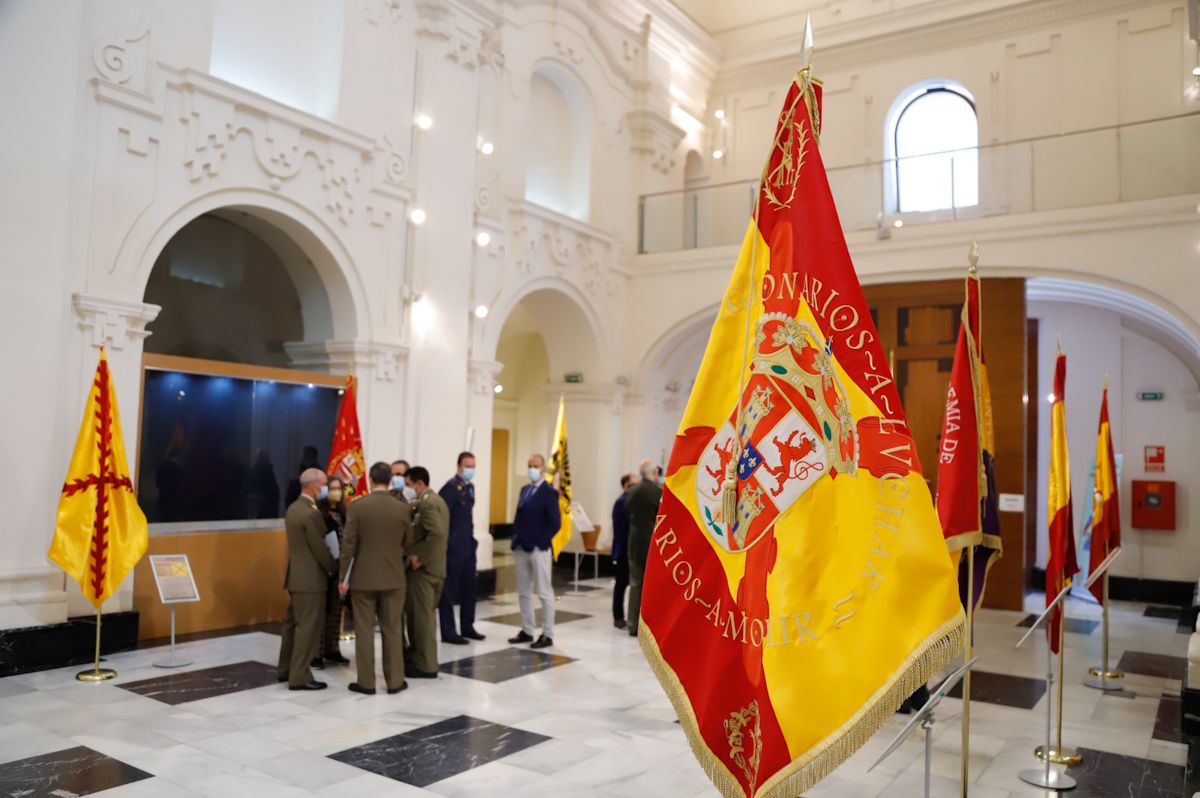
x=537, y=522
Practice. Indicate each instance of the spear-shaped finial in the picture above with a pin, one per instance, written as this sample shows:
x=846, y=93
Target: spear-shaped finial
x=973, y=255
x=806, y=50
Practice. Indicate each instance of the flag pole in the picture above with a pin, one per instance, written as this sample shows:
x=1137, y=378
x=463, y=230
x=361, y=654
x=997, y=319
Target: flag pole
x=1057, y=754
x=969, y=641
x=1102, y=678
x=96, y=674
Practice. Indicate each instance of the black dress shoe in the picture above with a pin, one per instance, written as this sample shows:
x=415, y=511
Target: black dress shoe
x=337, y=659
x=416, y=673
x=542, y=642
x=356, y=688
x=309, y=686
x=473, y=635
x=521, y=638
x=457, y=640
x=393, y=690
x=620, y=623
x=317, y=664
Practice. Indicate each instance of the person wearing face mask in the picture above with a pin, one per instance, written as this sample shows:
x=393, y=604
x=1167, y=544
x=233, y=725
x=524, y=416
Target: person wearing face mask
x=427, y=569
x=333, y=511
x=309, y=567
x=537, y=521
x=620, y=525
x=642, y=507
x=375, y=548
x=459, y=587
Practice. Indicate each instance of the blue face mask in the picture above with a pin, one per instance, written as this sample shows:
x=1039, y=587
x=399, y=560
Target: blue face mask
x=397, y=482
x=468, y=474
x=535, y=474
x=323, y=493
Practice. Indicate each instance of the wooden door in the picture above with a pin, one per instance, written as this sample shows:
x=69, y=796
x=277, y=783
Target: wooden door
x=498, y=504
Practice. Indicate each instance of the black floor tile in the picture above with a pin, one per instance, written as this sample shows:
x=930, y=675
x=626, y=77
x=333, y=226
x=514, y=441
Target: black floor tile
x=1167, y=723
x=180, y=688
x=507, y=663
x=560, y=616
x=1170, y=613
x=1147, y=664
x=1103, y=775
x=1003, y=689
x=438, y=751
x=71, y=772
x=1076, y=626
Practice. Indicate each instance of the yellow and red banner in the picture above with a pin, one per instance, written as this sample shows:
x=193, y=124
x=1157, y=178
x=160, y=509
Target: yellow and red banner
x=1106, y=508
x=346, y=459
x=797, y=588
x=560, y=469
x=966, y=486
x=1060, y=561
x=101, y=531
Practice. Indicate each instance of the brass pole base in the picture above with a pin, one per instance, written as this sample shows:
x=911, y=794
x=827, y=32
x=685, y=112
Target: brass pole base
x=1100, y=679
x=346, y=636
x=1103, y=674
x=1067, y=756
x=96, y=675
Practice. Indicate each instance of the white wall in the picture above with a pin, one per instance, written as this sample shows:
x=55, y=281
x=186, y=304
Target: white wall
x=1097, y=344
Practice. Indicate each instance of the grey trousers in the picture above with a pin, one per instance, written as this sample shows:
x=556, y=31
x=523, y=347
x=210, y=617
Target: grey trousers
x=533, y=575
x=636, y=574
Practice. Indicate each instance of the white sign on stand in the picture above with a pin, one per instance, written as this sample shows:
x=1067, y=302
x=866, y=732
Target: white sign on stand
x=176, y=585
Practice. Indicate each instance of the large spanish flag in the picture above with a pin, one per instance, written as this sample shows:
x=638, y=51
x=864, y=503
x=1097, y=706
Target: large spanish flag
x=1106, y=509
x=101, y=531
x=1060, y=559
x=346, y=459
x=966, y=495
x=797, y=588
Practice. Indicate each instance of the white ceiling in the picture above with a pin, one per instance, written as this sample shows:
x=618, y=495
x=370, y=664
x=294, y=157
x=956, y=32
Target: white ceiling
x=718, y=16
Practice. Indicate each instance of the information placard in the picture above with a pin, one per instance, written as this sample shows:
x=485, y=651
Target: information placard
x=173, y=575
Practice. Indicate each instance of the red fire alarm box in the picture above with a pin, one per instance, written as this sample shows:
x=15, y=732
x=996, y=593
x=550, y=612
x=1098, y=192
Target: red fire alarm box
x=1153, y=504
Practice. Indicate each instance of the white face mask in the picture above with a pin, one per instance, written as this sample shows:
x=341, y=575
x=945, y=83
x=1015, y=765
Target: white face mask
x=534, y=474
x=410, y=493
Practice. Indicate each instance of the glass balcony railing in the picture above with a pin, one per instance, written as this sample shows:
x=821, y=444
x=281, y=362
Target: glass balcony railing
x=1135, y=161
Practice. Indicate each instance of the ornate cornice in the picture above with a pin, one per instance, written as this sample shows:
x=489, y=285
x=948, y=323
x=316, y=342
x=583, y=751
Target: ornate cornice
x=482, y=374
x=653, y=135
x=380, y=361
x=113, y=322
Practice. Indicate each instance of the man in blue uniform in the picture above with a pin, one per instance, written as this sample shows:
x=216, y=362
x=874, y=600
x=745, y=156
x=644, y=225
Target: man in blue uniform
x=459, y=587
x=620, y=526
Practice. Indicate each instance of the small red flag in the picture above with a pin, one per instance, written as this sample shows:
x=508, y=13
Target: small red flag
x=346, y=459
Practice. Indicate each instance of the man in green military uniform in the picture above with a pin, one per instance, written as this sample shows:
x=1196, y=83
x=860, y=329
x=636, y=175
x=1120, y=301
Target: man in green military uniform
x=375, y=546
x=308, y=570
x=642, y=507
x=427, y=559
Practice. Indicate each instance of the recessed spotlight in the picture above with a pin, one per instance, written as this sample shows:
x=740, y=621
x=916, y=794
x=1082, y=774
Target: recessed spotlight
x=424, y=121
x=182, y=393
x=719, y=113
x=718, y=154
x=483, y=238
x=1196, y=71
x=481, y=311
x=487, y=148
x=898, y=223
x=499, y=388
x=310, y=385
x=417, y=216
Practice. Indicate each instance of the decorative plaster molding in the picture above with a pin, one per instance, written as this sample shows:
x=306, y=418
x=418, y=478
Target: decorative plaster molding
x=379, y=11
x=482, y=374
x=592, y=392
x=653, y=135
x=567, y=247
x=119, y=60
x=113, y=322
x=471, y=40
x=376, y=360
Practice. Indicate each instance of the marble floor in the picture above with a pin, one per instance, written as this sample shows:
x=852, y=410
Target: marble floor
x=584, y=719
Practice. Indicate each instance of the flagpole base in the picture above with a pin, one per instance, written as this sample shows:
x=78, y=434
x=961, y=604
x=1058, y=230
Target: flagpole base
x=173, y=663
x=1067, y=756
x=1100, y=679
x=1050, y=780
x=96, y=675
x=346, y=637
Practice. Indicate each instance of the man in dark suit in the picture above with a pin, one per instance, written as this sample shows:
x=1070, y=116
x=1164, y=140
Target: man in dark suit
x=375, y=546
x=309, y=567
x=459, y=587
x=642, y=505
x=538, y=520
x=427, y=564
x=620, y=557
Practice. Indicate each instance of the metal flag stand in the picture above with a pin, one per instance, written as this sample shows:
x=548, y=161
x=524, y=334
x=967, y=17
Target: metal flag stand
x=924, y=718
x=172, y=661
x=96, y=674
x=1102, y=678
x=1048, y=778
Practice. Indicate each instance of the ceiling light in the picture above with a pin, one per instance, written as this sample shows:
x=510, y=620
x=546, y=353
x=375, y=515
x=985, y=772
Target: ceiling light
x=718, y=154
x=499, y=388
x=483, y=238
x=481, y=311
x=1196, y=71
x=424, y=121
x=417, y=216
x=487, y=148
x=719, y=113
x=898, y=223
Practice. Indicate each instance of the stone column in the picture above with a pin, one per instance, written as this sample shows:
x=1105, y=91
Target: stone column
x=481, y=381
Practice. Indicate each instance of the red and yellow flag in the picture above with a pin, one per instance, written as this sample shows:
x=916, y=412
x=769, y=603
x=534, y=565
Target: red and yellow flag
x=966, y=495
x=346, y=460
x=1106, y=509
x=797, y=588
x=1060, y=560
x=101, y=531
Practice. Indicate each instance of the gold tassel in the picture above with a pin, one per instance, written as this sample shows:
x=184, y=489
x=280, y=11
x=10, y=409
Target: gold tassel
x=729, y=494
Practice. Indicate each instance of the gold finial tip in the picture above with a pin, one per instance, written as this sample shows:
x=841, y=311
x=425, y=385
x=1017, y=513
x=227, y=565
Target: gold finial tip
x=806, y=50
x=973, y=255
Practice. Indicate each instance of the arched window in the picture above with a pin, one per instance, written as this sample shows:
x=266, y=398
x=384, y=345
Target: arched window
x=935, y=140
x=559, y=144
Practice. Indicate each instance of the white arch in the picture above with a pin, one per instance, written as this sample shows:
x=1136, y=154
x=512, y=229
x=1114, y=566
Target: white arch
x=557, y=179
x=686, y=331
x=348, y=310
x=572, y=338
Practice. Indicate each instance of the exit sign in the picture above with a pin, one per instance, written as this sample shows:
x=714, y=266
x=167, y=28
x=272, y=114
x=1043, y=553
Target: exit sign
x=1150, y=396
x=572, y=378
